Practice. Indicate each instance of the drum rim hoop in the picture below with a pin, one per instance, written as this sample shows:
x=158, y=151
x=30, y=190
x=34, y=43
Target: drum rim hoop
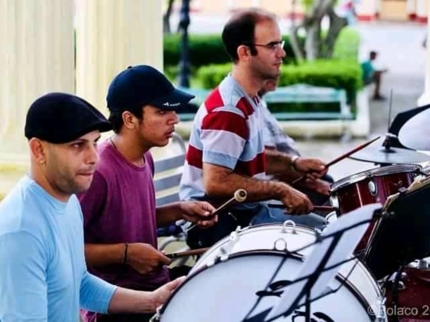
x=375, y=172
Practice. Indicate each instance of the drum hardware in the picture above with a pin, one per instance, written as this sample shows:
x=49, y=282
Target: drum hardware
x=372, y=188
x=225, y=251
x=380, y=314
x=340, y=158
x=422, y=264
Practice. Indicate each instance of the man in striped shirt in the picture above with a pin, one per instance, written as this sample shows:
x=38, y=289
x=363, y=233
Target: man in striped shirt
x=226, y=149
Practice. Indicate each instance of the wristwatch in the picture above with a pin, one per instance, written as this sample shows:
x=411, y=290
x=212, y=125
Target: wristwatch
x=293, y=162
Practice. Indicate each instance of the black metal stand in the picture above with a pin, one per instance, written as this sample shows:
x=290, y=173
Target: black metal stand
x=184, y=64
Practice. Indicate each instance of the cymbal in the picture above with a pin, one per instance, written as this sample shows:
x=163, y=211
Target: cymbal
x=415, y=133
x=376, y=153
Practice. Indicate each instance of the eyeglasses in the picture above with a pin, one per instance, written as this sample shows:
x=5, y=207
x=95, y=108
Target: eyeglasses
x=275, y=45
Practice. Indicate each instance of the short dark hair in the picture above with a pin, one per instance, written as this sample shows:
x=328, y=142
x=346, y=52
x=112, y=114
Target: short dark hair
x=240, y=29
x=115, y=118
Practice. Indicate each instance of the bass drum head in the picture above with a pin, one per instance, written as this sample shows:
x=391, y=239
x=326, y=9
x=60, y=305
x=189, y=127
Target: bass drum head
x=243, y=287
x=262, y=237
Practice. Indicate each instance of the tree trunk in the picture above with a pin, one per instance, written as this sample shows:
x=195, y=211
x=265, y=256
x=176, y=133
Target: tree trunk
x=313, y=40
x=166, y=17
x=336, y=25
x=297, y=49
x=315, y=47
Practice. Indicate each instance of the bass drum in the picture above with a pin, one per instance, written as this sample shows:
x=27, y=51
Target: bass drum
x=242, y=277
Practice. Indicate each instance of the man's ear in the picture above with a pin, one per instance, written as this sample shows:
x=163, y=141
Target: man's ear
x=243, y=52
x=129, y=120
x=38, y=150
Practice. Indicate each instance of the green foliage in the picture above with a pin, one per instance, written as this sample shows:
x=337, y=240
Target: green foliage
x=347, y=44
x=340, y=74
x=208, y=49
x=204, y=49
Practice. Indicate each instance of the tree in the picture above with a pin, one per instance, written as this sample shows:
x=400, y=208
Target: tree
x=315, y=45
x=166, y=17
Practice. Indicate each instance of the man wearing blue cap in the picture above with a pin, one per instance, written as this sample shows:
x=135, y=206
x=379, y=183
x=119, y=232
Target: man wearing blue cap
x=120, y=216
x=43, y=276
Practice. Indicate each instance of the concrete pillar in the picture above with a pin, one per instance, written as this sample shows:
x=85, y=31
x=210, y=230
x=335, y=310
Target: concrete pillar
x=423, y=7
x=112, y=35
x=36, y=57
x=425, y=97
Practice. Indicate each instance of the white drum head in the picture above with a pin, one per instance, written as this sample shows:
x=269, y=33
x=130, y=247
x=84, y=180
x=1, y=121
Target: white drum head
x=244, y=287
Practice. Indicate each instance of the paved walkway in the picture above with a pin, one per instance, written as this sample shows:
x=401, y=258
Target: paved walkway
x=401, y=52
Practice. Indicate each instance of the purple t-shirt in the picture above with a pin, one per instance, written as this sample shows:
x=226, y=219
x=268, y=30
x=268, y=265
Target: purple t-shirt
x=120, y=207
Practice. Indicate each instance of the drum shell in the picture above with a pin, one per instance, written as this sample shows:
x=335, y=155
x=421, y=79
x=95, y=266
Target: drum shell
x=373, y=186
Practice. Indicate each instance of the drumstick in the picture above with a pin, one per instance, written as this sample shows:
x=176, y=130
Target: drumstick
x=343, y=156
x=238, y=197
x=197, y=251
x=321, y=208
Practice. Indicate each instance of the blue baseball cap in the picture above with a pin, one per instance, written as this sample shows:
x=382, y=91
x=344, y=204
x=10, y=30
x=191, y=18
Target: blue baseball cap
x=142, y=85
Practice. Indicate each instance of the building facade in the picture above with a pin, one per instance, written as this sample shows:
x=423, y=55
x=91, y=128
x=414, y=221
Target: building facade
x=366, y=10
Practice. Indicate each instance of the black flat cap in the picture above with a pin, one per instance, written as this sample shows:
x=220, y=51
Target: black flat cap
x=61, y=118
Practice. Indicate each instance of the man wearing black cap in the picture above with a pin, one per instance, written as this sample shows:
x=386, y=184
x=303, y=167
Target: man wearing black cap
x=120, y=216
x=43, y=276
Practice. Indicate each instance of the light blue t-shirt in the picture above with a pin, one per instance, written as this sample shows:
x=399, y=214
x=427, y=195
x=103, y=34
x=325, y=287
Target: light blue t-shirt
x=43, y=275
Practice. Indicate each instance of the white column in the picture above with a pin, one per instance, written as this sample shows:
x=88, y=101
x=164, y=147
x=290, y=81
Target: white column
x=111, y=35
x=425, y=97
x=36, y=57
x=422, y=10
x=366, y=9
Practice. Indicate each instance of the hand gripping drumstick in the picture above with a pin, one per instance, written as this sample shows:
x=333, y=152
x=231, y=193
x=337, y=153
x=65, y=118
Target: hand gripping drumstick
x=191, y=252
x=238, y=197
x=343, y=156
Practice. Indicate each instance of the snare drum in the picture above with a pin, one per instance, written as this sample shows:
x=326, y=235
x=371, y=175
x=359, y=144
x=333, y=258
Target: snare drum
x=371, y=186
x=230, y=282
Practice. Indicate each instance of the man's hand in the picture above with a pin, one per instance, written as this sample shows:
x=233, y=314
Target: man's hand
x=162, y=294
x=312, y=168
x=295, y=202
x=144, y=258
x=319, y=186
x=199, y=213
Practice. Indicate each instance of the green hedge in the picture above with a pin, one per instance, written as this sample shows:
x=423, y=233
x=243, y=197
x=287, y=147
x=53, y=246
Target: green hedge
x=208, y=49
x=341, y=74
x=204, y=49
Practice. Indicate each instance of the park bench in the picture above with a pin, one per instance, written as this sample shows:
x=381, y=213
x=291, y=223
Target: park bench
x=303, y=93
x=299, y=93
x=168, y=172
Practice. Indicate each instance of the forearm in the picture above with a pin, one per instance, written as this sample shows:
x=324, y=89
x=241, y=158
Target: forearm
x=257, y=190
x=169, y=214
x=101, y=254
x=130, y=301
x=278, y=162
